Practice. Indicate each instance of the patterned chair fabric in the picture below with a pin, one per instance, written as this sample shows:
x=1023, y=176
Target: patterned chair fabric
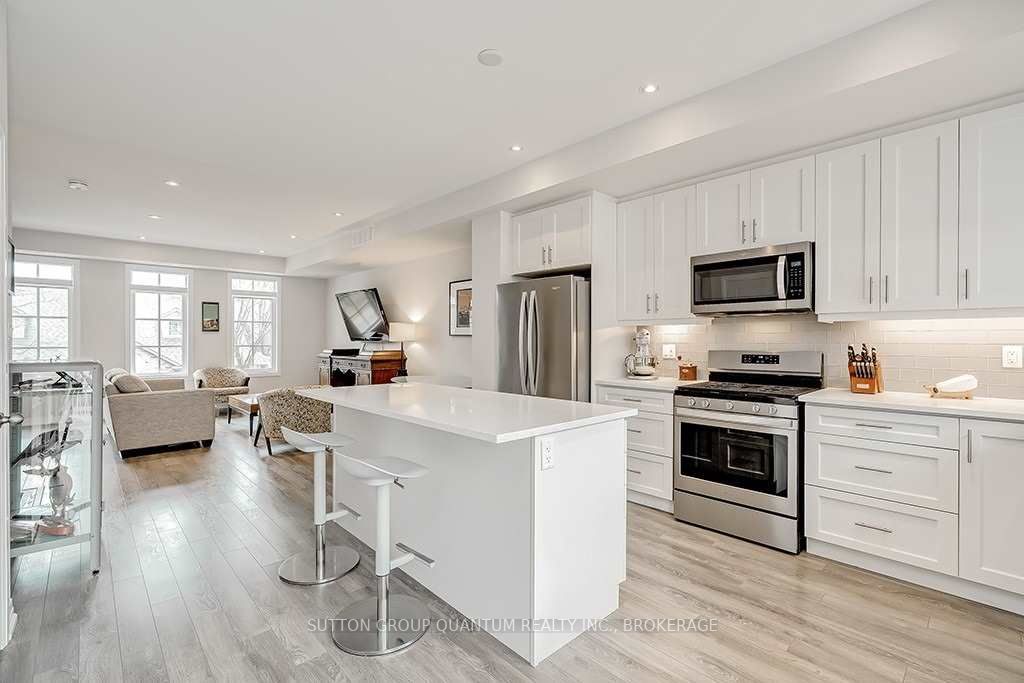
x=222, y=382
x=283, y=407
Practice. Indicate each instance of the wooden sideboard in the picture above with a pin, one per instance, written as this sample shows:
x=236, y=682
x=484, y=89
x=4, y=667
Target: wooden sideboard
x=375, y=367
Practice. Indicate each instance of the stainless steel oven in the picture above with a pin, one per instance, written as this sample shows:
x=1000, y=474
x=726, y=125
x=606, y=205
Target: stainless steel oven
x=767, y=280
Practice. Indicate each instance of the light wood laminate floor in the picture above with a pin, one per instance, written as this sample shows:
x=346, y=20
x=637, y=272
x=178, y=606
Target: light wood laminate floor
x=189, y=592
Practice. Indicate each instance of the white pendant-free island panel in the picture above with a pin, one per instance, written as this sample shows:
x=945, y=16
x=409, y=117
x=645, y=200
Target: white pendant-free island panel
x=532, y=551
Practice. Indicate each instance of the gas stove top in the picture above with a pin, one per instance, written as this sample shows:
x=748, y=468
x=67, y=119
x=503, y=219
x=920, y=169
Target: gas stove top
x=746, y=391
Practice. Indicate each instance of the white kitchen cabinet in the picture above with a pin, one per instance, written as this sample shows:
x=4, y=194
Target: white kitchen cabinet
x=919, y=219
x=991, y=504
x=723, y=215
x=847, y=225
x=634, y=268
x=553, y=238
x=653, y=258
x=782, y=203
x=991, y=208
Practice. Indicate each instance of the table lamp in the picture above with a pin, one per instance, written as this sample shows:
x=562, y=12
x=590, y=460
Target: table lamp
x=402, y=332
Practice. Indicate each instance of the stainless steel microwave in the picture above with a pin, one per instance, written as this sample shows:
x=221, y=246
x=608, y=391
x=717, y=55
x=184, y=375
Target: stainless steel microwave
x=766, y=280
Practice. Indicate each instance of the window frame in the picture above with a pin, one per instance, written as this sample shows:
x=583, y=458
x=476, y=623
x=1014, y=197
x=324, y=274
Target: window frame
x=275, y=321
x=186, y=334
x=74, y=299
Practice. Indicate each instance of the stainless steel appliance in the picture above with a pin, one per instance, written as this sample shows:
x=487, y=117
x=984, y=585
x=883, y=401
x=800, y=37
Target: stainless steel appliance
x=739, y=444
x=641, y=363
x=766, y=280
x=544, y=337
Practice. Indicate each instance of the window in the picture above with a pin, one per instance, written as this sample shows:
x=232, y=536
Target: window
x=254, y=323
x=159, y=314
x=42, y=320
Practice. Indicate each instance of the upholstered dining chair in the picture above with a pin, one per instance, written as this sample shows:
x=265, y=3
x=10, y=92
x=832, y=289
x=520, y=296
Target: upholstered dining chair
x=285, y=408
x=222, y=382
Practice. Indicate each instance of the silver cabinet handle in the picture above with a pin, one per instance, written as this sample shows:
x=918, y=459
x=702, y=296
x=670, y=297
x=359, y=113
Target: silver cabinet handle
x=550, y=259
x=635, y=431
x=970, y=448
x=871, y=289
x=873, y=528
x=657, y=302
x=886, y=289
x=743, y=232
x=648, y=303
x=967, y=291
x=632, y=400
x=14, y=419
x=871, y=469
x=865, y=424
x=543, y=255
x=753, y=230
x=633, y=471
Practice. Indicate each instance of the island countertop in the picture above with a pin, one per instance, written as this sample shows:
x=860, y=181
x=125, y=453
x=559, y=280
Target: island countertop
x=486, y=415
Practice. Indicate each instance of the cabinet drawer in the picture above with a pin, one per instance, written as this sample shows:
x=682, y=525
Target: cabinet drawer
x=904, y=533
x=650, y=474
x=651, y=401
x=884, y=425
x=898, y=472
x=650, y=432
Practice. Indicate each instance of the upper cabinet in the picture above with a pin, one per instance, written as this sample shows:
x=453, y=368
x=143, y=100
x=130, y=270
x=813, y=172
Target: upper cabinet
x=991, y=208
x=919, y=219
x=723, y=207
x=553, y=238
x=653, y=263
x=848, y=239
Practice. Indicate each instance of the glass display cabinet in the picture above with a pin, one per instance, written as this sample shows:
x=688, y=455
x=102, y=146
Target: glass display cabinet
x=56, y=462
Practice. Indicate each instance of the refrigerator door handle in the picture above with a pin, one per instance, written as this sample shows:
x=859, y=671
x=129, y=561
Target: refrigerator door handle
x=532, y=343
x=522, y=343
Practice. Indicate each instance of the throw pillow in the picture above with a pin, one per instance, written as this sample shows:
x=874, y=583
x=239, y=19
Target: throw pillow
x=131, y=384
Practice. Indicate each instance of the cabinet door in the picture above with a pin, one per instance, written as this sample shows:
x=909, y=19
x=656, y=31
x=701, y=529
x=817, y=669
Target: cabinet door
x=919, y=219
x=991, y=208
x=570, y=233
x=528, y=243
x=633, y=259
x=674, y=215
x=848, y=214
x=991, y=504
x=782, y=203
x=723, y=218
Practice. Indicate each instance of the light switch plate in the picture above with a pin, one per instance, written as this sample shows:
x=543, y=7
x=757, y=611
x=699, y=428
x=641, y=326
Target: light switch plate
x=668, y=351
x=547, y=453
x=1012, y=357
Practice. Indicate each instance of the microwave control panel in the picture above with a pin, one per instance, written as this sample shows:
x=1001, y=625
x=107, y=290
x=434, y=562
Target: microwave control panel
x=795, y=276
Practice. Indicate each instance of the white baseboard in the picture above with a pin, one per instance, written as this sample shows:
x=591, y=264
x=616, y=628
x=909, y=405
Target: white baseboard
x=648, y=500
x=954, y=585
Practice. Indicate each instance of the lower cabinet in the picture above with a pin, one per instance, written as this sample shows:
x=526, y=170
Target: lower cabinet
x=992, y=504
x=650, y=474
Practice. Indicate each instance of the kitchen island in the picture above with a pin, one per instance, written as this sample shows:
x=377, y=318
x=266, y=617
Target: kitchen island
x=524, y=507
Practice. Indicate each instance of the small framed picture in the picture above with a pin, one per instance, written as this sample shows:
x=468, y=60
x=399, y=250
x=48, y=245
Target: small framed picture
x=460, y=308
x=211, y=316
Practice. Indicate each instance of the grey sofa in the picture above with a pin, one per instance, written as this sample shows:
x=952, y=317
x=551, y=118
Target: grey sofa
x=167, y=414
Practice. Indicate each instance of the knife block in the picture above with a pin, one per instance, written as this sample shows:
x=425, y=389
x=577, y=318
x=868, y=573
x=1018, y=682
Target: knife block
x=866, y=385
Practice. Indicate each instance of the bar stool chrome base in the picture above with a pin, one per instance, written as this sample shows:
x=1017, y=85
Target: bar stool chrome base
x=301, y=568
x=358, y=631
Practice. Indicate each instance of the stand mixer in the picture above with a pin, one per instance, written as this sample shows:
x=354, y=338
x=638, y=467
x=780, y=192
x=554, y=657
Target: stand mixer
x=641, y=363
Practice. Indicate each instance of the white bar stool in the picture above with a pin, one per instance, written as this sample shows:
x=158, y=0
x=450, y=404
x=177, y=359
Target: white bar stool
x=325, y=563
x=385, y=623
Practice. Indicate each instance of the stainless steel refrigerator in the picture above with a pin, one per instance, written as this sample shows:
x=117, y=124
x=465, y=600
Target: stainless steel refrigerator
x=544, y=337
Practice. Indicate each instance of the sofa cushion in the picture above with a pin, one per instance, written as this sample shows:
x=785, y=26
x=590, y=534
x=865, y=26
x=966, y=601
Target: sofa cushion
x=110, y=374
x=131, y=384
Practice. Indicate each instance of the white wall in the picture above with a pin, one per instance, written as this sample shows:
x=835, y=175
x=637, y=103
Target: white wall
x=416, y=291
x=102, y=296
x=487, y=275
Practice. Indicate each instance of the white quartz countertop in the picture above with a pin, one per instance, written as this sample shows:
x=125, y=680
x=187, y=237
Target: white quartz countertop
x=659, y=384
x=978, y=408
x=486, y=415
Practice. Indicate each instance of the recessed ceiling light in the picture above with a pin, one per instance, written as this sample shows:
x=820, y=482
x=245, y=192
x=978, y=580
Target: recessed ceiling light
x=292, y=236
x=77, y=184
x=489, y=57
x=339, y=213
x=262, y=252
x=171, y=183
x=142, y=237
x=649, y=88
x=156, y=217
x=515, y=148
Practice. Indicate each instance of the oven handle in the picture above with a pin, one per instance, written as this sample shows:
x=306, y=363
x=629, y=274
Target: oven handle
x=769, y=425
x=780, y=277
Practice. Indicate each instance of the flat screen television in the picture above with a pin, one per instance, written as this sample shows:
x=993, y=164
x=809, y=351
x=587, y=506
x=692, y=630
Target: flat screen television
x=363, y=314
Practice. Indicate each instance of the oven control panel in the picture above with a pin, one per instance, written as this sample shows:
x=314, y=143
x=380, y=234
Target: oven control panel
x=760, y=359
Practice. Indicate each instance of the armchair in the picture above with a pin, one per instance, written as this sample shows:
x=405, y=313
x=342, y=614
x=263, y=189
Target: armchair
x=222, y=382
x=285, y=408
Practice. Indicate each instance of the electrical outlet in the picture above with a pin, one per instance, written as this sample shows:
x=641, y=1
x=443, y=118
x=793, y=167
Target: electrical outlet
x=547, y=453
x=668, y=351
x=1013, y=357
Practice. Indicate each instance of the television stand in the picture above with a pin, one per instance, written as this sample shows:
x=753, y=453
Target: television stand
x=369, y=367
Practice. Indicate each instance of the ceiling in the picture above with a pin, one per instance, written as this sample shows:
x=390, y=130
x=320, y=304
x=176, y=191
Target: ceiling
x=274, y=116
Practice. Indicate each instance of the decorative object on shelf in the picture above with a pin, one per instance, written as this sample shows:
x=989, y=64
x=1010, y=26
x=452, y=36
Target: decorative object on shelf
x=641, y=363
x=961, y=386
x=401, y=333
x=460, y=308
x=687, y=371
x=211, y=316
x=865, y=370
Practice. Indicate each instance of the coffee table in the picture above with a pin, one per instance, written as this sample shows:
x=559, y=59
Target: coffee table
x=246, y=404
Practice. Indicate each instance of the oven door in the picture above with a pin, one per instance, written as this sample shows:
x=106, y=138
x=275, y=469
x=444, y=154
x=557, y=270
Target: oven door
x=754, y=280
x=741, y=459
